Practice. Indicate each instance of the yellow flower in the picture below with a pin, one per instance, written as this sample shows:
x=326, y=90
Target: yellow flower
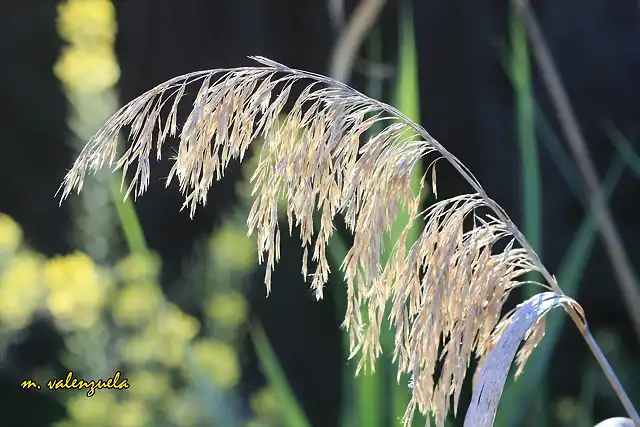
x=172, y=352
x=176, y=328
x=219, y=361
x=566, y=409
x=173, y=323
x=149, y=385
x=21, y=291
x=87, y=70
x=256, y=423
x=77, y=290
x=141, y=349
x=138, y=267
x=95, y=411
x=136, y=303
x=131, y=413
x=10, y=234
x=164, y=340
x=232, y=249
x=87, y=22
x=181, y=410
x=65, y=423
x=244, y=187
x=228, y=309
x=265, y=405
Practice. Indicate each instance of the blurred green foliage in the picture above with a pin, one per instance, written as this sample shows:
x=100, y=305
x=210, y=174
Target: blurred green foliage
x=118, y=318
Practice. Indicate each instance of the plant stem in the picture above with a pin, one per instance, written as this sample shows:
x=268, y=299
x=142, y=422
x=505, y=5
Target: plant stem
x=351, y=38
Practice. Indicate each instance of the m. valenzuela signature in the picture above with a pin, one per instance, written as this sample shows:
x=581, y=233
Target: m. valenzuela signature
x=71, y=383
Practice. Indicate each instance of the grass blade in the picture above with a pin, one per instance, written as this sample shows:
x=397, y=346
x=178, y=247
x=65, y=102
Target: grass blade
x=526, y=135
x=367, y=408
x=407, y=100
x=369, y=388
x=624, y=147
x=292, y=414
x=520, y=70
x=131, y=228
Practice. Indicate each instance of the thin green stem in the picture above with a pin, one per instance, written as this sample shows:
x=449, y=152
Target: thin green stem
x=129, y=220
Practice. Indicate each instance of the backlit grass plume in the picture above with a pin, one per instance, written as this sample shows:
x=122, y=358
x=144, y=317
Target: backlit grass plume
x=446, y=291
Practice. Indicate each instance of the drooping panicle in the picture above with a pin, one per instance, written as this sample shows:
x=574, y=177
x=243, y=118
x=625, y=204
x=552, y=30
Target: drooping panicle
x=443, y=295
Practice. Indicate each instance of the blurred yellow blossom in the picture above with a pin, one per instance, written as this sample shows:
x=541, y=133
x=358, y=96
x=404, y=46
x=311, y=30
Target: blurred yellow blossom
x=256, y=423
x=139, y=266
x=10, y=234
x=227, y=309
x=244, y=187
x=176, y=328
x=130, y=413
x=87, y=22
x=140, y=349
x=87, y=70
x=566, y=409
x=21, y=290
x=265, y=405
x=96, y=411
x=176, y=324
x=172, y=353
x=232, y=249
x=136, y=303
x=143, y=349
x=149, y=385
x=181, y=409
x=88, y=63
x=218, y=360
x=164, y=339
x=104, y=410
x=77, y=289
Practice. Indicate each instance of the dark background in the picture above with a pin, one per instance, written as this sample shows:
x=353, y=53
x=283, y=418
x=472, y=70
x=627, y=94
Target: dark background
x=467, y=103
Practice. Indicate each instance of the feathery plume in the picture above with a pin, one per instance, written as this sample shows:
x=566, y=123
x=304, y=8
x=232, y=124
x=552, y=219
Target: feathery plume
x=445, y=292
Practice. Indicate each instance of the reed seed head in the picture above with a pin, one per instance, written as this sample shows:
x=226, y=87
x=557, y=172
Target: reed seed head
x=443, y=295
